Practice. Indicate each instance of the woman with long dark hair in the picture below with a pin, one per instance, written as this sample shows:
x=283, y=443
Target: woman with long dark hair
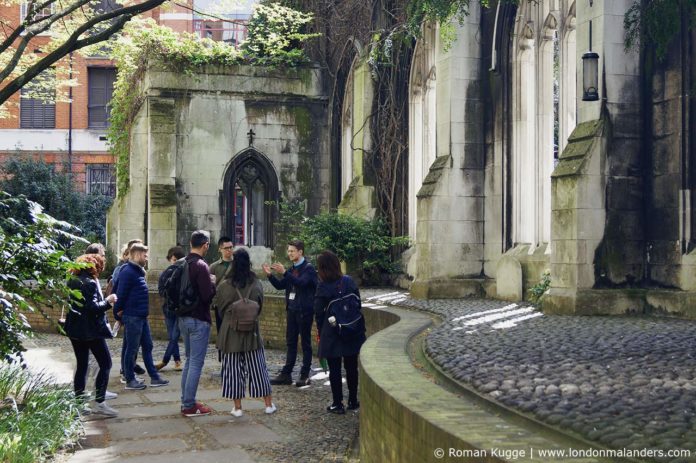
x=87, y=328
x=336, y=346
x=239, y=339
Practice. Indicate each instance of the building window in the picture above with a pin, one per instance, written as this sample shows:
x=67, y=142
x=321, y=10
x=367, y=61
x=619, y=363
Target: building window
x=104, y=6
x=101, y=88
x=41, y=14
x=251, y=188
x=37, y=106
x=101, y=180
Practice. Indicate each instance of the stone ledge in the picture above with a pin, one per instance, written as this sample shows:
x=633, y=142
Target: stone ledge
x=453, y=288
x=406, y=417
x=621, y=301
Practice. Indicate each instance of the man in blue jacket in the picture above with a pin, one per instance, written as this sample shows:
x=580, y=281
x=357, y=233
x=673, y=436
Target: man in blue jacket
x=133, y=308
x=299, y=283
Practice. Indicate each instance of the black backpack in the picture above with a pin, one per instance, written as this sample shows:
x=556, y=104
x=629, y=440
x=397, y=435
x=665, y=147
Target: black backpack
x=348, y=317
x=181, y=295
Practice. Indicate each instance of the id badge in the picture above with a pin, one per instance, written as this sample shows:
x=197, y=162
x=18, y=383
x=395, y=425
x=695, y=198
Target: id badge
x=291, y=296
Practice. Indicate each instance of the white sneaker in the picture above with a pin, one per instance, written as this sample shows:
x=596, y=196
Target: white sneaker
x=238, y=412
x=110, y=395
x=104, y=409
x=272, y=409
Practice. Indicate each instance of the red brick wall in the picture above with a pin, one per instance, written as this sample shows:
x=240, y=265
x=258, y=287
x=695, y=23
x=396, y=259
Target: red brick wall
x=272, y=321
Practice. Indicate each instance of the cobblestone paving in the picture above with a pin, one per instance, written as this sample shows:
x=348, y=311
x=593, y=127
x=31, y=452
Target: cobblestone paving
x=150, y=428
x=624, y=382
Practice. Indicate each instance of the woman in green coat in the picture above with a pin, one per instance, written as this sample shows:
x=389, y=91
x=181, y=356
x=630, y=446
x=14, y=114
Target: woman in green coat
x=243, y=358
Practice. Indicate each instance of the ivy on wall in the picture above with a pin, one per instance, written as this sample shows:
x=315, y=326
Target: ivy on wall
x=274, y=39
x=656, y=23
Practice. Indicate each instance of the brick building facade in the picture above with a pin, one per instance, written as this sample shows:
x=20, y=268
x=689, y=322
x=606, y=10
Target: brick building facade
x=72, y=133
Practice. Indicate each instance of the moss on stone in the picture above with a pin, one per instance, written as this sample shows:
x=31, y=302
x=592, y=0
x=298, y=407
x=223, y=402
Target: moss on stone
x=434, y=174
x=305, y=173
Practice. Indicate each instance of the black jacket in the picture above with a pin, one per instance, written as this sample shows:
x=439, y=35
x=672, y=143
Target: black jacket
x=86, y=319
x=302, y=280
x=330, y=344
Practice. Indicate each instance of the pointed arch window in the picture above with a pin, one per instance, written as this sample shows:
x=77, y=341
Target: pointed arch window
x=251, y=185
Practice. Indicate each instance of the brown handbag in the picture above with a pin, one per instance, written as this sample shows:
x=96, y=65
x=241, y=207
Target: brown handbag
x=244, y=312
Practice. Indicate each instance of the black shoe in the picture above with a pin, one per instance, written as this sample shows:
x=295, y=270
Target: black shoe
x=303, y=381
x=337, y=409
x=138, y=370
x=283, y=379
x=353, y=405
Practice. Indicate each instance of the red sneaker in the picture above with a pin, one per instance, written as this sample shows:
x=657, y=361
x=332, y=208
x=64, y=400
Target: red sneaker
x=197, y=410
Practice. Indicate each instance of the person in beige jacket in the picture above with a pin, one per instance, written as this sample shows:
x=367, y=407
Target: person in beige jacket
x=243, y=357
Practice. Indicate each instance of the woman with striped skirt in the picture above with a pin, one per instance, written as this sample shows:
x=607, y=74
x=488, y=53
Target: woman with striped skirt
x=243, y=359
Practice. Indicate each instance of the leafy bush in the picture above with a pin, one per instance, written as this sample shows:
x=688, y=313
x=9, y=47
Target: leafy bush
x=33, y=267
x=538, y=290
x=363, y=244
x=36, y=417
x=55, y=191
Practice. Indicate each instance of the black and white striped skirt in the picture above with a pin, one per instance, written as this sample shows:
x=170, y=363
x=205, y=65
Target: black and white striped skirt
x=238, y=367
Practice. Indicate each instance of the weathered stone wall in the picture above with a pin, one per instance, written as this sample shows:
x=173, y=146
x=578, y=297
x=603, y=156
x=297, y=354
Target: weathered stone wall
x=449, y=238
x=189, y=131
x=669, y=232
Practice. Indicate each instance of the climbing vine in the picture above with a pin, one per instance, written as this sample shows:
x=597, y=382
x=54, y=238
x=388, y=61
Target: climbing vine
x=274, y=39
x=656, y=23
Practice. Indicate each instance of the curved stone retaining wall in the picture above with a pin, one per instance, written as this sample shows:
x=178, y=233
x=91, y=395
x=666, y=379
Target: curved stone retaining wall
x=406, y=417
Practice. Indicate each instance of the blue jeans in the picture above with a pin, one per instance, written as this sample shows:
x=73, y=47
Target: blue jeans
x=299, y=324
x=137, y=334
x=173, y=332
x=196, y=334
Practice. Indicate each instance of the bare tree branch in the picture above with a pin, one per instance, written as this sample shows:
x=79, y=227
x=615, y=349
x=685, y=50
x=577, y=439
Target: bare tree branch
x=74, y=42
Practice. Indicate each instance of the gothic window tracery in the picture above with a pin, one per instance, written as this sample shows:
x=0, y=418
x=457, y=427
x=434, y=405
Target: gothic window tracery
x=251, y=187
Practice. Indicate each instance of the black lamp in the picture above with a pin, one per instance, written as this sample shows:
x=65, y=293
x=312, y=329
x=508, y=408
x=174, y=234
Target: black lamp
x=590, y=73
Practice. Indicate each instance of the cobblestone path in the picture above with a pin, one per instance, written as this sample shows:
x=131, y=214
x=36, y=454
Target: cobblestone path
x=624, y=382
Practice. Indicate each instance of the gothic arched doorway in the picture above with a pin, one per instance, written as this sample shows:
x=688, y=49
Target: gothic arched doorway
x=250, y=183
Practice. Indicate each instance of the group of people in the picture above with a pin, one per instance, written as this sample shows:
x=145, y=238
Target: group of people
x=233, y=291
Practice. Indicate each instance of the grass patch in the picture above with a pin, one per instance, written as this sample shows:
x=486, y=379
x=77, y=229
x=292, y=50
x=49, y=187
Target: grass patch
x=37, y=417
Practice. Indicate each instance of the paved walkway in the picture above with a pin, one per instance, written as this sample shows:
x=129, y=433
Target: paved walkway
x=622, y=382
x=150, y=428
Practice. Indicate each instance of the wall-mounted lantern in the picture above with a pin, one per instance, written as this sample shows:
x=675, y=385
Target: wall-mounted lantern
x=590, y=73
x=590, y=76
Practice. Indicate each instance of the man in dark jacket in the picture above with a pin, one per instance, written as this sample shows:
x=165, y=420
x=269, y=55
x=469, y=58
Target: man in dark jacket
x=299, y=283
x=132, y=307
x=195, y=326
x=174, y=255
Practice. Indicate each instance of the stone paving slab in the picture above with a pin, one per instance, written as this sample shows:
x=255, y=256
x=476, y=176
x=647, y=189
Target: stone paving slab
x=242, y=433
x=149, y=410
x=163, y=445
x=228, y=455
x=151, y=427
x=225, y=405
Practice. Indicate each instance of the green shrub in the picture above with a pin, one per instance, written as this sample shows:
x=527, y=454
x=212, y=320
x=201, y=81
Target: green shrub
x=55, y=191
x=37, y=418
x=537, y=291
x=365, y=245
x=33, y=267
